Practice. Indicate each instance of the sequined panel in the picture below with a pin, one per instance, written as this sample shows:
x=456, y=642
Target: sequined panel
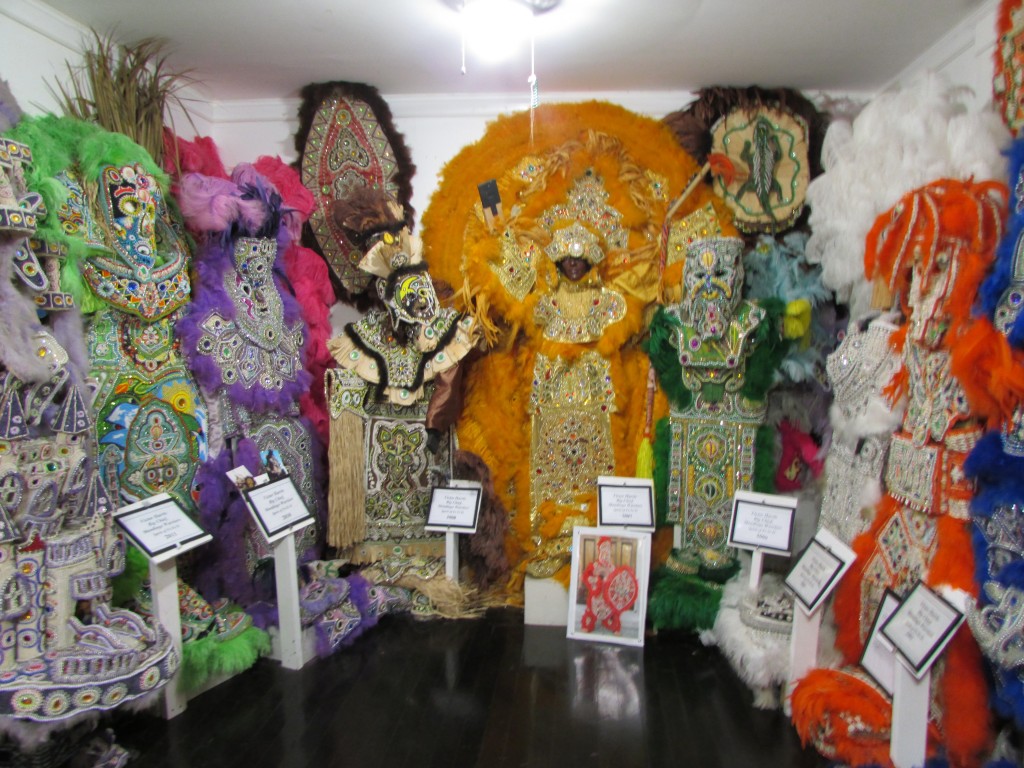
x=515, y=267
x=700, y=224
x=571, y=441
x=588, y=203
x=903, y=551
x=710, y=461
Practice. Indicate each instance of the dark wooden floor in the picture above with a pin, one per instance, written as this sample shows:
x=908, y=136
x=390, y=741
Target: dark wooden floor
x=487, y=692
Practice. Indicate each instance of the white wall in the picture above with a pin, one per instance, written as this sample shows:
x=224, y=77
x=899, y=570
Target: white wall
x=964, y=55
x=36, y=41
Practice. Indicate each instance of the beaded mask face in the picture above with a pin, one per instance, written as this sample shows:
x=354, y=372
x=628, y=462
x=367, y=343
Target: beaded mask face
x=147, y=272
x=712, y=282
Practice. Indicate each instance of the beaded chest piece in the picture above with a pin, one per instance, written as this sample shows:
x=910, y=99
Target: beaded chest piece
x=242, y=331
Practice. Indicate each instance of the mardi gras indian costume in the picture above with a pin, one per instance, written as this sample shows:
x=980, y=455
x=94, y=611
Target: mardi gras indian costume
x=127, y=267
x=65, y=653
x=932, y=250
x=393, y=395
x=560, y=272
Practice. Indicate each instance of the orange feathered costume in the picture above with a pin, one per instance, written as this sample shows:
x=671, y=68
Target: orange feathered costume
x=642, y=169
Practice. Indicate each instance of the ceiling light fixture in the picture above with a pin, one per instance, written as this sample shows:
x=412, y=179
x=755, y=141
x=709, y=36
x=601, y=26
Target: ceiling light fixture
x=494, y=29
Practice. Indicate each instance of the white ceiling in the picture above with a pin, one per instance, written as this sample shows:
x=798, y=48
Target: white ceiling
x=253, y=49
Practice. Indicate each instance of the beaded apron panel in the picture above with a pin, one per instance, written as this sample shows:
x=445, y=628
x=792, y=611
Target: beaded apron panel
x=571, y=441
x=151, y=420
x=711, y=458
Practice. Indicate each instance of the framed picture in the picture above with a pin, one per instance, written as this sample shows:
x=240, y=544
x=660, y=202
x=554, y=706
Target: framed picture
x=608, y=586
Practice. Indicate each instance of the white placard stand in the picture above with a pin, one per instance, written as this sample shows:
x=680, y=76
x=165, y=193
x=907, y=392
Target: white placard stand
x=803, y=648
x=803, y=644
x=756, y=568
x=451, y=555
x=163, y=582
x=289, y=623
x=451, y=540
x=909, y=740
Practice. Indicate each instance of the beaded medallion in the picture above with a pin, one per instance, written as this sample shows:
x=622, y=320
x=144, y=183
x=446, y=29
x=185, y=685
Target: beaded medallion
x=768, y=148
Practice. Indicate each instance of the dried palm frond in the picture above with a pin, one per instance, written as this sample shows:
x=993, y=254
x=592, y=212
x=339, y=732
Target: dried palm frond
x=125, y=88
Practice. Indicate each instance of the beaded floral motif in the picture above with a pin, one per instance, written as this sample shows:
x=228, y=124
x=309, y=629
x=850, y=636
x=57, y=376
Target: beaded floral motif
x=575, y=314
x=147, y=275
x=571, y=443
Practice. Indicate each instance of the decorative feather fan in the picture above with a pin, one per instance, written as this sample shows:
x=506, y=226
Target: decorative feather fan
x=347, y=141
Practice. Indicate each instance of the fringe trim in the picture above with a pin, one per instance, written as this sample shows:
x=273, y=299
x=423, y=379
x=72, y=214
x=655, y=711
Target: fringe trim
x=346, y=495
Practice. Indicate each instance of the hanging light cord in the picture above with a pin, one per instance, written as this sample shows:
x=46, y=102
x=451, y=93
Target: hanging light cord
x=532, y=79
